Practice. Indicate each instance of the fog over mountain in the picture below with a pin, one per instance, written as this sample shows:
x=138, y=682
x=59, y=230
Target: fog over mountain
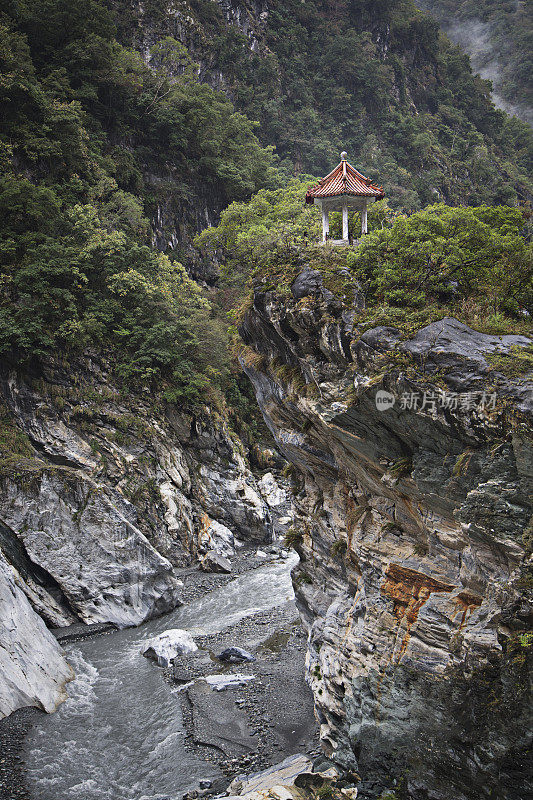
x=497, y=36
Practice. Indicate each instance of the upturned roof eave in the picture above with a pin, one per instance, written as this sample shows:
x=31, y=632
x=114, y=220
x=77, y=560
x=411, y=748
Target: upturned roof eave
x=338, y=168
x=311, y=197
x=345, y=174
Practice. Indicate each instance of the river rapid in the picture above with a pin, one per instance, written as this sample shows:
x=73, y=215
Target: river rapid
x=120, y=735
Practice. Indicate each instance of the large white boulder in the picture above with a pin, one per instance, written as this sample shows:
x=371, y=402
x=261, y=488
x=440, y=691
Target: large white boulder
x=282, y=774
x=274, y=494
x=221, y=682
x=168, y=645
x=217, y=537
x=33, y=671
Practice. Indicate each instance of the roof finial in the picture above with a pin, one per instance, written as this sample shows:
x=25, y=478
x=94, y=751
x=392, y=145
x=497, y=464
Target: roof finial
x=344, y=155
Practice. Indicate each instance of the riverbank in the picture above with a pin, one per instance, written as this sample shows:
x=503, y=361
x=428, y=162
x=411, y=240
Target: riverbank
x=269, y=716
x=13, y=731
x=272, y=714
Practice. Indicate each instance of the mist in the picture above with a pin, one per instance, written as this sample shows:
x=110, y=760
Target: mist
x=475, y=37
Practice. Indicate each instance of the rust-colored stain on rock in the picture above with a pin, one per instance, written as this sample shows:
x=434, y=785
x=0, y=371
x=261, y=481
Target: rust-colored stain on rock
x=409, y=590
x=466, y=602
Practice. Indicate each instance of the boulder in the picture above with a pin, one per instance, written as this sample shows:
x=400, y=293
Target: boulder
x=282, y=774
x=292, y=779
x=229, y=494
x=221, y=682
x=85, y=537
x=308, y=282
x=235, y=655
x=460, y=352
x=382, y=338
x=215, y=562
x=168, y=645
x=216, y=537
x=270, y=489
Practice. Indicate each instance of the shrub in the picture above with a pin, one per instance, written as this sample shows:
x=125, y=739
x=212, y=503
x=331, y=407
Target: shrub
x=446, y=254
x=293, y=537
x=338, y=548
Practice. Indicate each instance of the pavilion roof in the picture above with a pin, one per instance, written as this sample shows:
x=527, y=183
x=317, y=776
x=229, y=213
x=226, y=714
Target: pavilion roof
x=344, y=179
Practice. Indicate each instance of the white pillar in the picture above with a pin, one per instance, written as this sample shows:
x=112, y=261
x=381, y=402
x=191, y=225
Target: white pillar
x=325, y=224
x=345, y=220
x=364, y=218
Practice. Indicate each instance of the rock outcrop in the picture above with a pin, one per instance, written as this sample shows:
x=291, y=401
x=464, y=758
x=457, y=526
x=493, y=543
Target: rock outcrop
x=104, y=497
x=235, y=655
x=292, y=779
x=169, y=644
x=413, y=470
x=32, y=668
x=85, y=537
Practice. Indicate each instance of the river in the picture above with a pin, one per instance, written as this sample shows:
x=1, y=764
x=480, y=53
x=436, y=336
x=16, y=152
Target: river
x=120, y=735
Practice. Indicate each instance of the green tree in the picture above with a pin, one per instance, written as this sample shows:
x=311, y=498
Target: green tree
x=92, y=142
x=445, y=253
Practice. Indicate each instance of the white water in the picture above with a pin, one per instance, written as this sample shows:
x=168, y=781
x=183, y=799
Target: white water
x=120, y=735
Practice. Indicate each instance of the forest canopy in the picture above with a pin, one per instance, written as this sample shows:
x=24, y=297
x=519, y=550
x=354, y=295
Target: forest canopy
x=87, y=132
x=475, y=262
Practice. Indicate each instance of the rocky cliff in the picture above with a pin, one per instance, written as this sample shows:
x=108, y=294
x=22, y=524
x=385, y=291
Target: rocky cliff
x=103, y=499
x=32, y=668
x=412, y=477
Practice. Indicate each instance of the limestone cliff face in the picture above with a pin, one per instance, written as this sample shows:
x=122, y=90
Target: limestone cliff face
x=103, y=497
x=414, y=526
x=32, y=668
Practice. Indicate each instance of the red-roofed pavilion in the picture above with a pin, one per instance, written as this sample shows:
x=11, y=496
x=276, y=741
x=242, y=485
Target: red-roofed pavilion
x=342, y=189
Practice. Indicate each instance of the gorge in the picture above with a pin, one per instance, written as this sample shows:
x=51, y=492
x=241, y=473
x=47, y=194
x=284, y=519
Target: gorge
x=308, y=465
x=412, y=529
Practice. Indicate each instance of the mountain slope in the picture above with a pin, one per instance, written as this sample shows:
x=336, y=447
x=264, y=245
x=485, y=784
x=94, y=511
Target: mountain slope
x=94, y=145
x=374, y=78
x=499, y=40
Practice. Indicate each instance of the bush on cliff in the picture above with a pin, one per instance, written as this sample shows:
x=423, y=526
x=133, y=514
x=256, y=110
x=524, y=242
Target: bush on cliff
x=473, y=261
x=449, y=254
x=254, y=236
